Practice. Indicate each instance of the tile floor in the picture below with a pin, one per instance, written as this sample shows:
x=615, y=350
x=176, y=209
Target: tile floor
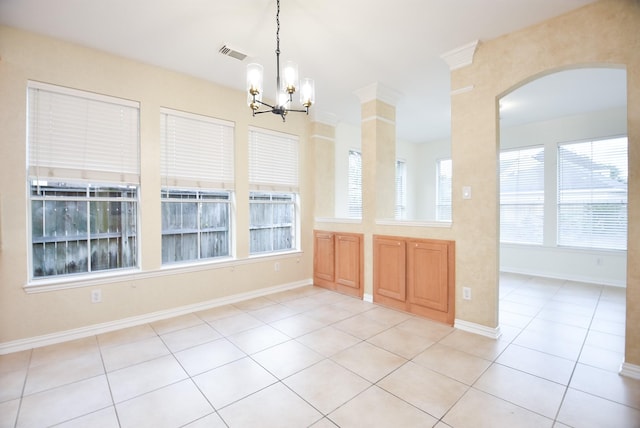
x=310, y=357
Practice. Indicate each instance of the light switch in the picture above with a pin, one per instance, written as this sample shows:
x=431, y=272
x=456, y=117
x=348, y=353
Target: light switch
x=466, y=192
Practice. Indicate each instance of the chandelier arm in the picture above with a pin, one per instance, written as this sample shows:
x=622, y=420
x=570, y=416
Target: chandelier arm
x=278, y=48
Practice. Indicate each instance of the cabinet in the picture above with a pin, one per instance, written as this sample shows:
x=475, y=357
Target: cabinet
x=415, y=275
x=338, y=262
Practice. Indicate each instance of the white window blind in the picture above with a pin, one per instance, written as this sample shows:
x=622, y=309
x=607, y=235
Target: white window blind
x=443, y=197
x=196, y=151
x=522, y=195
x=77, y=135
x=273, y=161
x=592, y=194
x=355, y=184
x=401, y=190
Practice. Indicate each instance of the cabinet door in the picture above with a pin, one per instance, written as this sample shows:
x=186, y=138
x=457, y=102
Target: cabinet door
x=348, y=264
x=323, y=259
x=427, y=276
x=389, y=268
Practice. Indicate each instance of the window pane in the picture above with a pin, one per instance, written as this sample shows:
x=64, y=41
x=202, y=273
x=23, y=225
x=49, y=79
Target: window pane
x=355, y=184
x=272, y=222
x=443, y=198
x=76, y=228
x=195, y=225
x=592, y=194
x=401, y=190
x=522, y=196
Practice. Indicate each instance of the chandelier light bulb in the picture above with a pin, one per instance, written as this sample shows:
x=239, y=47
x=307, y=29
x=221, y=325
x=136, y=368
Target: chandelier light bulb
x=307, y=93
x=290, y=74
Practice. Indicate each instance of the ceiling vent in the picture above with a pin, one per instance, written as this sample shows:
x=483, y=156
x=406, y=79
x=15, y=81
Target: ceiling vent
x=226, y=50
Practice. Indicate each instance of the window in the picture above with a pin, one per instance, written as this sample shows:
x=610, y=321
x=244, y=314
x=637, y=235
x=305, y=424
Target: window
x=592, y=194
x=83, y=181
x=195, y=225
x=522, y=195
x=272, y=222
x=401, y=190
x=197, y=166
x=355, y=184
x=443, y=188
x=273, y=199
x=80, y=228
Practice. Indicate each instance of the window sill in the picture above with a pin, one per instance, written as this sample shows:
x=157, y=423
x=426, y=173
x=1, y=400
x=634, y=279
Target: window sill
x=47, y=285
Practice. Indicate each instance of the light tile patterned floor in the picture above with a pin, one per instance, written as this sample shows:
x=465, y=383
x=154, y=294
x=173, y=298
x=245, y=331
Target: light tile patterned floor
x=312, y=358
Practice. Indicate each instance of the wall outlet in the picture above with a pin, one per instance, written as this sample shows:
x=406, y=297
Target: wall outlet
x=466, y=293
x=96, y=296
x=276, y=266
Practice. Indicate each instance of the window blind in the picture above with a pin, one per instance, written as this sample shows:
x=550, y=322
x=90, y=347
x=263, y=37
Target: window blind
x=355, y=184
x=273, y=161
x=592, y=194
x=522, y=195
x=443, y=197
x=77, y=135
x=401, y=190
x=196, y=151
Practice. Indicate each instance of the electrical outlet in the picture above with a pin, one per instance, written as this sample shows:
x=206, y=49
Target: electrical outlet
x=466, y=293
x=96, y=296
x=276, y=266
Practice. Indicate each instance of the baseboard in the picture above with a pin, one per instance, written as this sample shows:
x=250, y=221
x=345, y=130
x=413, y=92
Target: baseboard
x=92, y=330
x=367, y=297
x=630, y=370
x=564, y=277
x=482, y=330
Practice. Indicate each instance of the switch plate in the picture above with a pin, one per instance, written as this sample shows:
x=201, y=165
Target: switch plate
x=466, y=192
x=466, y=293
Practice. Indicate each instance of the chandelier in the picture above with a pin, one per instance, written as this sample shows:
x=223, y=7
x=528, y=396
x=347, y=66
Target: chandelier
x=285, y=87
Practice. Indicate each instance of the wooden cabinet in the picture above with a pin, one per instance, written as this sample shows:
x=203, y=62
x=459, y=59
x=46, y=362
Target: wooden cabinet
x=415, y=275
x=338, y=262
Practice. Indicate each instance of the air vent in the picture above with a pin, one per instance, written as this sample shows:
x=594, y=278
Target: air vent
x=226, y=50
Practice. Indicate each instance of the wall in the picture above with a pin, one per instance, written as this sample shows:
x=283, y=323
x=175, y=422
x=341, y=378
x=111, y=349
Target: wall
x=602, y=33
x=23, y=315
x=601, y=267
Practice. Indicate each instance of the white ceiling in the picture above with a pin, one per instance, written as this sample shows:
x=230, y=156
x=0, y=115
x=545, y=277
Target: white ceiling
x=344, y=45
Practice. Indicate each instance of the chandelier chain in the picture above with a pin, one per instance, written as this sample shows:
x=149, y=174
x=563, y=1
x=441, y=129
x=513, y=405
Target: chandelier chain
x=278, y=29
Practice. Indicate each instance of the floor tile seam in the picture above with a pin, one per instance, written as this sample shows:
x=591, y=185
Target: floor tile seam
x=177, y=330
x=244, y=397
x=463, y=351
x=531, y=374
x=438, y=419
x=24, y=385
x=87, y=414
x=552, y=419
x=151, y=391
x=633, y=407
x=113, y=401
x=575, y=365
x=323, y=414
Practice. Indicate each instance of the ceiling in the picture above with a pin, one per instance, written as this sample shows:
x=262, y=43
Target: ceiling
x=344, y=45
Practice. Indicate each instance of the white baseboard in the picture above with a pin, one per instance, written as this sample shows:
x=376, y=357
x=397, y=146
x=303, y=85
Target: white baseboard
x=92, y=330
x=367, y=297
x=630, y=370
x=564, y=276
x=482, y=330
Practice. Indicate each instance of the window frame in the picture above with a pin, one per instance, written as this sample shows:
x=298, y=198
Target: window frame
x=590, y=246
x=74, y=120
x=274, y=170
x=440, y=201
x=201, y=198
x=524, y=198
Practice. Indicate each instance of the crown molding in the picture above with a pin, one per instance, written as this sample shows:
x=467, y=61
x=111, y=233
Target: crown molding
x=378, y=91
x=460, y=57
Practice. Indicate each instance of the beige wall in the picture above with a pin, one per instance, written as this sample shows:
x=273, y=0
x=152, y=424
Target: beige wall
x=25, y=56
x=602, y=34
